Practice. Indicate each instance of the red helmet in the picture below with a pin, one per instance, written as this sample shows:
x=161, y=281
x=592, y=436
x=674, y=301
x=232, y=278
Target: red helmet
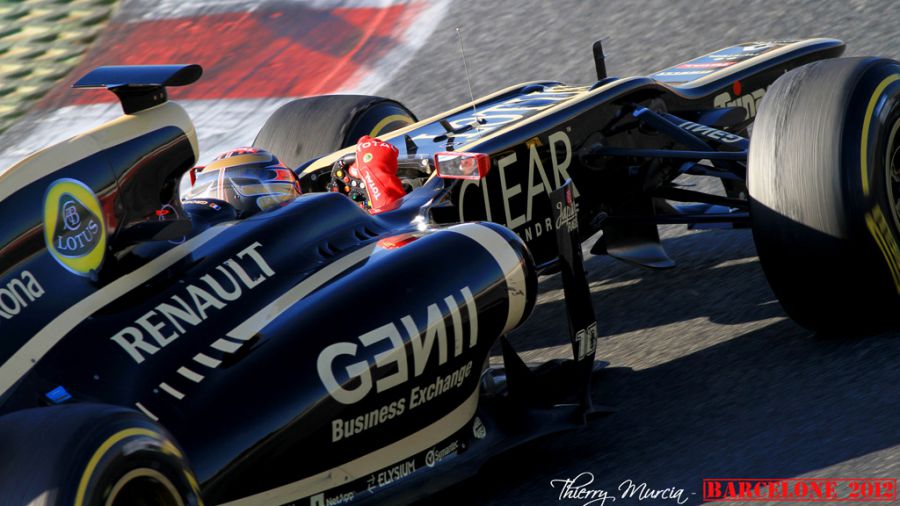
x=249, y=179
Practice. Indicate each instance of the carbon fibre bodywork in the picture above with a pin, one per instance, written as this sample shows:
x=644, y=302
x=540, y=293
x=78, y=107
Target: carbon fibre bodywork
x=317, y=352
x=539, y=133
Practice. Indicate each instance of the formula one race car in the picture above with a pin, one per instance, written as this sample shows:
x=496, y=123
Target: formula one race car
x=155, y=352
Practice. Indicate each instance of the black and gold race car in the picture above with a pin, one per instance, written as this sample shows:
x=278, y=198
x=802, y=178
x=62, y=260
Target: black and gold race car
x=161, y=352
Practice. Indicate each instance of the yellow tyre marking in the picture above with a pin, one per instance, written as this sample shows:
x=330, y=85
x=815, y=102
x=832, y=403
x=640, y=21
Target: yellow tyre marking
x=398, y=118
x=865, y=130
x=881, y=231
x=101, y=452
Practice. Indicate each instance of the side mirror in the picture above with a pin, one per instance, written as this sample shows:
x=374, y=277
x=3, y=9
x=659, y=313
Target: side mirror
x=462, y=165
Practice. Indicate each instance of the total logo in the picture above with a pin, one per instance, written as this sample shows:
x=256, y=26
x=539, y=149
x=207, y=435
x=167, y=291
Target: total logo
x=376, y=192
x=74, y=230
x=749, y=101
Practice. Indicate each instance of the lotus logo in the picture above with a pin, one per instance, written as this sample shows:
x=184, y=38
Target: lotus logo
x=70, y=215
x=74, y=229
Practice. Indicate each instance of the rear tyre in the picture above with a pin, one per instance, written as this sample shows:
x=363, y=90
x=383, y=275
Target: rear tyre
x=310, y=127
x=90, y=454
x=824, y=184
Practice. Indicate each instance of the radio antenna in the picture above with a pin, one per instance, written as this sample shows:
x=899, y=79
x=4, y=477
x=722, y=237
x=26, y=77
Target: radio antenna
x=462, y=51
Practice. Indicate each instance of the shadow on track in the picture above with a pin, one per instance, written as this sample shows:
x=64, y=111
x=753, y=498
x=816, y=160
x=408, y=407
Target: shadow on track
x=717, y=279
x=773, y=401
x=778, y=402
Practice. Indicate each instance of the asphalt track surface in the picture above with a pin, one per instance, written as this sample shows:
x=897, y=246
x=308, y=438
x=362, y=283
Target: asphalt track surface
x=709, y=377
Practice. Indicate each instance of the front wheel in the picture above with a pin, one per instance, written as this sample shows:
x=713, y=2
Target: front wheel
x=824, y=184
x=314, y=126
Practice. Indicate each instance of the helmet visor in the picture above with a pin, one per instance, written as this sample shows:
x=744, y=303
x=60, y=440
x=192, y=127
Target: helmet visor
x=247, y=188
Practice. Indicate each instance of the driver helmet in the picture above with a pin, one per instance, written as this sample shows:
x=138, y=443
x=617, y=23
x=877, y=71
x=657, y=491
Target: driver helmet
x=249, y=179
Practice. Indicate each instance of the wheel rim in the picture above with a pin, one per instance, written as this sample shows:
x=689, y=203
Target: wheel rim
x=144, y=486
x=892, y=171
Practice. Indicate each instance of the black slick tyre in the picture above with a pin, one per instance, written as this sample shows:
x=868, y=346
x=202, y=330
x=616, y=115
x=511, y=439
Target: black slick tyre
x=824, y=184
x=306, y=128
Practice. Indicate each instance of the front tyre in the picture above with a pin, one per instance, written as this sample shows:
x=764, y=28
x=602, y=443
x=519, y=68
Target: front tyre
x=824, y=184
x=314, y=126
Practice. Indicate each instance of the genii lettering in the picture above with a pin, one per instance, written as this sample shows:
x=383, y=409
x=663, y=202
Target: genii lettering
x=395, y=358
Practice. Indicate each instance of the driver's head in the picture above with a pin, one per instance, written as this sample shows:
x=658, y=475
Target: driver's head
x=249, y=179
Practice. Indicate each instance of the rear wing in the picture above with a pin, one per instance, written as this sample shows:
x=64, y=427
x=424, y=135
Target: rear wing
x=122, y=172
x=140, y=87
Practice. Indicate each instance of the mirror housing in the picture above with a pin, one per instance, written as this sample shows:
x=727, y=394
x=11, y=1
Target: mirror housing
x=461, y=165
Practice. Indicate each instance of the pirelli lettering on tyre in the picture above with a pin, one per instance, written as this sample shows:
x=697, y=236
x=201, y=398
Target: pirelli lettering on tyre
x=193, y=304
x=74, y=228
x=881, y=231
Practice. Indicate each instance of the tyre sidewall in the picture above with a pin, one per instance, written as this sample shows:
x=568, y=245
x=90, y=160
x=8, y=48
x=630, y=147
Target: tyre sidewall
x=872, y=111
x=379, y=119
x=307, y=128
x=125, y=447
